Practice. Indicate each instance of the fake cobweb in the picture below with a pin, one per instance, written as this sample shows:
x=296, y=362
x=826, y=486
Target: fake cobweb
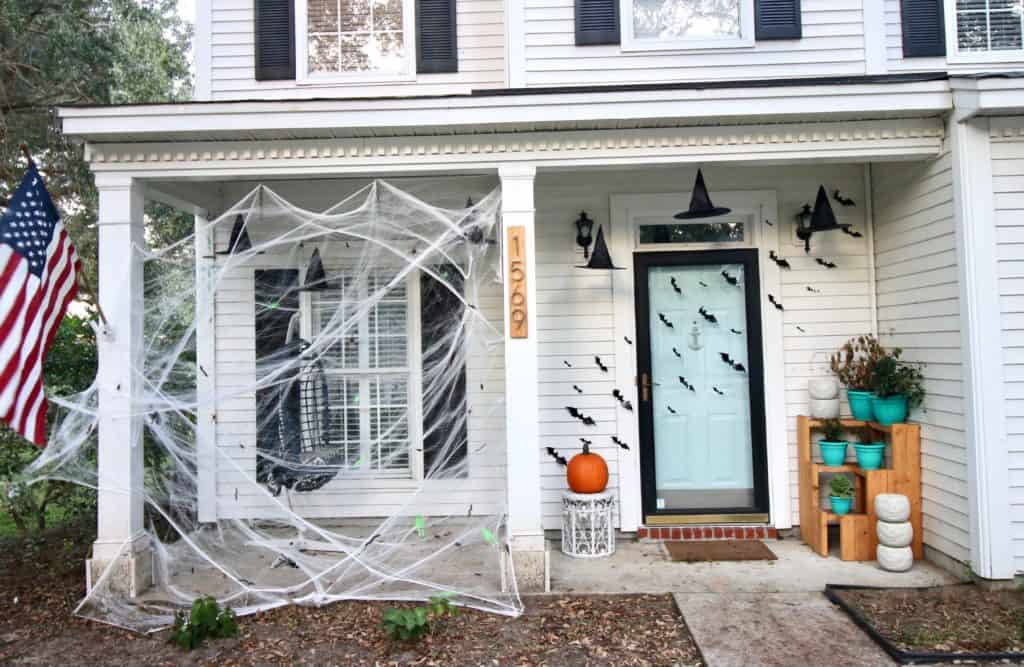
x=346, y=441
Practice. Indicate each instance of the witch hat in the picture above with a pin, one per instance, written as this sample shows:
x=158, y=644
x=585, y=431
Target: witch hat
x=600, y=258
x=823, y=219
x=239, y=241
x=316, y=278
x=700, y=203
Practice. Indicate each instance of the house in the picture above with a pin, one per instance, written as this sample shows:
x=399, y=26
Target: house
x=912, y=109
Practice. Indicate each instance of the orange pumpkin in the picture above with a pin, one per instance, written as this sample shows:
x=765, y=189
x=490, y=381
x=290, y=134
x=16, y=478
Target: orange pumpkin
x=587, y=472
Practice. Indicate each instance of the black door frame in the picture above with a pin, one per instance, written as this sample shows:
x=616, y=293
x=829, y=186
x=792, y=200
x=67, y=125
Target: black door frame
x=642, y=261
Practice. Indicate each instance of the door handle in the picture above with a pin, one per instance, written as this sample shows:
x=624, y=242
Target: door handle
x=645, y=387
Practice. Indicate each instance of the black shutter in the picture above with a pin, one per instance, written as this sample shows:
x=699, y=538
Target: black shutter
x=275, y=39
x=924, y=32
x=597, y=22
x=777, y=19
x=436, y=41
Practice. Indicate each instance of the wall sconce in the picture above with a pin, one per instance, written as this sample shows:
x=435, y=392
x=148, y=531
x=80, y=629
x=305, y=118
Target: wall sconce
x=820, y=219
x=584, y=230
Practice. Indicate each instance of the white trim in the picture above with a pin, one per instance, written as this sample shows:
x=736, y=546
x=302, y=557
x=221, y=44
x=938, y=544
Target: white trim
x=876, y=60
x=761, y=205
x=869, y=238
x=632, y=43
x=515, y=43
x=206, y=372
x=202, y=53
x=414, y=352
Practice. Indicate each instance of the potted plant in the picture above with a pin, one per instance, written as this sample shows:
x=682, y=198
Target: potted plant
x=898, y=387
x=833, y=450
x=854, y=365
x=840, y=494
x=869, y=454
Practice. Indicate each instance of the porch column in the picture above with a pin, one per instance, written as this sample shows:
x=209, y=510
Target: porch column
x=526, y=532
x=206, y=384
x=120, y=539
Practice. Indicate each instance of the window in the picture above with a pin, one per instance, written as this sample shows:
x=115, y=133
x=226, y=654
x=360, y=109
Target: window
x=355, y=39
x=989, y=25
x=687, y=24
x=705, y=232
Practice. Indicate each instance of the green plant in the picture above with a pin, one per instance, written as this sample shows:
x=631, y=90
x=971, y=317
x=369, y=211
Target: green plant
x=841, y=486
x=832, y=429
x=854, y=362
x=415, y=622
x=893, y=377
x=205, y=620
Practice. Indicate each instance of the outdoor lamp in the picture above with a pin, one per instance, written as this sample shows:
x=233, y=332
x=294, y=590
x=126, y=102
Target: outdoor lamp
x=584, y=228
x=820, y=219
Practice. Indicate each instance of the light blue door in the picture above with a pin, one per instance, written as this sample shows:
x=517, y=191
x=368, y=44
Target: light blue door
x=699, y=439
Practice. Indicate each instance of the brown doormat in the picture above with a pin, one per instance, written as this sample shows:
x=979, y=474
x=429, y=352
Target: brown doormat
x=710, y=550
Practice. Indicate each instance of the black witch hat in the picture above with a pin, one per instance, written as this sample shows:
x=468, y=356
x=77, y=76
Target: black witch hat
x=316, y=278
x=823, y=219
x=700, y=203
x=239, y=241
x=600, y=258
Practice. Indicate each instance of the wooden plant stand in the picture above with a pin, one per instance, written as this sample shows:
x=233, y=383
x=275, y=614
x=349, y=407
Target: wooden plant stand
x=857, y=538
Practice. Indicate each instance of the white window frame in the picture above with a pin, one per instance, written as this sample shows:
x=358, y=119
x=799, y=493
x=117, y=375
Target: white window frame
x=304, y=77
x=632, y=43
x=955, y=56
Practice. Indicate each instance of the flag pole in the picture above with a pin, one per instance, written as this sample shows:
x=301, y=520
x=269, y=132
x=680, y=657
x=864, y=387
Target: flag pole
x=82, y=280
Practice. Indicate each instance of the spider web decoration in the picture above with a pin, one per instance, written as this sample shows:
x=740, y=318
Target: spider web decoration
x=341, y=442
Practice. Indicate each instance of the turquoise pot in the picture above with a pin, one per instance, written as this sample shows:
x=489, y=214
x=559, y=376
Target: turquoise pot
x=890, y=410
x=870, y=455
x=860, y=404
x=832, y=453
x=840, y=506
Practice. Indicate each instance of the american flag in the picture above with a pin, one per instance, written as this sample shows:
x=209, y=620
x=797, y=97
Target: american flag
x=38, y=279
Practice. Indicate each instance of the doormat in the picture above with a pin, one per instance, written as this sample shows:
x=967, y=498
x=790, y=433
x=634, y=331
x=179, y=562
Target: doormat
x=711, y=550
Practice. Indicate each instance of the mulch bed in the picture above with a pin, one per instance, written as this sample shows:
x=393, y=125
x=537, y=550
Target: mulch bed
x=959, y=619
x=41, y=583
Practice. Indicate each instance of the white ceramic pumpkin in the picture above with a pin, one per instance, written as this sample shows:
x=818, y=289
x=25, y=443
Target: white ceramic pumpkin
x=895, y=534
x=895, y=559
x=823, y=388
x=892, y=507
x=823, y=408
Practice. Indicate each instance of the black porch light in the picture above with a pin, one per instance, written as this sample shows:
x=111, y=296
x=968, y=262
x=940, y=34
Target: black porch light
x=584, y=237
x=700, y=203
x=821, y=219
x=239, y=240
x=600, y=258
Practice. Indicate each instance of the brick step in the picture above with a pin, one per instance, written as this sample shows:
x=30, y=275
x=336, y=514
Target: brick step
x=708, y=532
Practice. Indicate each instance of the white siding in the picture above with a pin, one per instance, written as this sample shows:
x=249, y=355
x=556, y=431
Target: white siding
x=832, y=44
x=575, y=306
x=919, y=310
x=481, y=44
x=1008, y=187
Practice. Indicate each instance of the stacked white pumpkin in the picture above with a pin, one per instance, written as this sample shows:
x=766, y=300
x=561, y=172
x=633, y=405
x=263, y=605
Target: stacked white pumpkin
x=895, y=532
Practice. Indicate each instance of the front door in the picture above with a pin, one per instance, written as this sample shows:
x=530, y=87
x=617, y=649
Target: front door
x=702, y=426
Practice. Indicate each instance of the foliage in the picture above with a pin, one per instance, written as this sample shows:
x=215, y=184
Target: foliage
x=854, y=362
x=894, y=377
x=841, y=487
x=832, y=429
x=205, y=620
x=415, y=622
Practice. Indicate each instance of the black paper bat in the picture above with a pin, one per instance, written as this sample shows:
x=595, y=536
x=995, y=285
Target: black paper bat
x=781, y=263
x=587, y=421
x=676, y=352
x=553, y=454
x=813, y=290
x=661, y=316
x=827, y=265
x=567, y=364
x=800, y=329
x=771, y=300
x=736, y=331
x=675, y=285
x=481, y=387
x=628, y=341
x=732, y=280
x=586, y=442
x=573, y=412
x=618, y=442
x=626, y=405
x=739, y=367
x=618, y=395
x=686, y=384
x=597, y=360
x=726, y=358
x=702, y=283
x=769, y=223
x=578, y=390
x=670, y=409
x=719, y=391
x=707, y=316
x=852, y=232
x=845, y=201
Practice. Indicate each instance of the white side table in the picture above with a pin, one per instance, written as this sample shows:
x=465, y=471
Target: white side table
x=588, y=524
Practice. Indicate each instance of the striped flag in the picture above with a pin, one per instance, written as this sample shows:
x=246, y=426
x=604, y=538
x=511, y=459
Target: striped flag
x=38, y=279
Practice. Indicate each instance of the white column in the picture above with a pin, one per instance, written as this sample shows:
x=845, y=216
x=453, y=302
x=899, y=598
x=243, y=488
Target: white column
x=526, y=533
x=988, y=482
x=206, y=384
x=120, y=541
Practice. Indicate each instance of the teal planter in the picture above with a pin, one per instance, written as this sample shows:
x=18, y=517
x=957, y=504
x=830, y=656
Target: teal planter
x=832, y=453
x=891, y=410
x=840, y=506
x=869, y=456
x=860, y=404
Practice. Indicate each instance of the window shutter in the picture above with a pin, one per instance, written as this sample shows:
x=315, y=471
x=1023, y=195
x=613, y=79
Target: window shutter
x=436, y=40
x=275, y=39
x=597, y=22
x=924, y=33
x=777, y=19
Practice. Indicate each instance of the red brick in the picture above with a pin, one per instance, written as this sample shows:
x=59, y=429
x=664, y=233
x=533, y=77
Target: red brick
x=773, y=533
x=749, y=533
x=760, y=533
x=687, y=533
x=728, y=532
x=641, y=533
x=660, y=533
x=718, y=531
x=675, y=533
x=707, y=533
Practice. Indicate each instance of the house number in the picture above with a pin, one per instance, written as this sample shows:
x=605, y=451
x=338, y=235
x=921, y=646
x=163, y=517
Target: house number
x=517, y=282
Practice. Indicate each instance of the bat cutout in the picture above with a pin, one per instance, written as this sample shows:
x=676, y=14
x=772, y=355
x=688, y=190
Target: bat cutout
x=739, y=367
x=586, y=442
x=771, y=300
x=800, y=329
x=579, y=415
x=855, y=234
x=627, y=406
x=813, y=290
x=736, y=331
x=719, y=391
x=726, y=358
x=769, y=223
x=618, y=395
x=481, y=387
x=781, y=263
x=603, y=368
x=732, y=280
x=671, y=409
x=628, y=341
x=827, y=265
x=567, y=364
x=661, y=316
x=675, y=285
x=676, y=352
x=618, y=442
x=702, y=283
x=686, y=384
x=553, y=454
x=707, y=316
x=577, y=388
x=845, y=201
x=732, y=362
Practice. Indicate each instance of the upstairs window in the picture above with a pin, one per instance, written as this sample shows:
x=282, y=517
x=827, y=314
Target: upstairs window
x=355, y=39
x=687, y=24
x=989, y=26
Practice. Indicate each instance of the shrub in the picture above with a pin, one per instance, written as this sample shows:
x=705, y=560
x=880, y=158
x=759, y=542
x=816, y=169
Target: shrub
x=205, y=620
x=414, y=623
x=854, y=362
x=894, y=377
x=832, y=429
x=841, y=486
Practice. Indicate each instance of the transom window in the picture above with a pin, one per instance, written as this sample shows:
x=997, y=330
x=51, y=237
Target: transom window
x=361, y=39
x=687, y=24
x=989, y=25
